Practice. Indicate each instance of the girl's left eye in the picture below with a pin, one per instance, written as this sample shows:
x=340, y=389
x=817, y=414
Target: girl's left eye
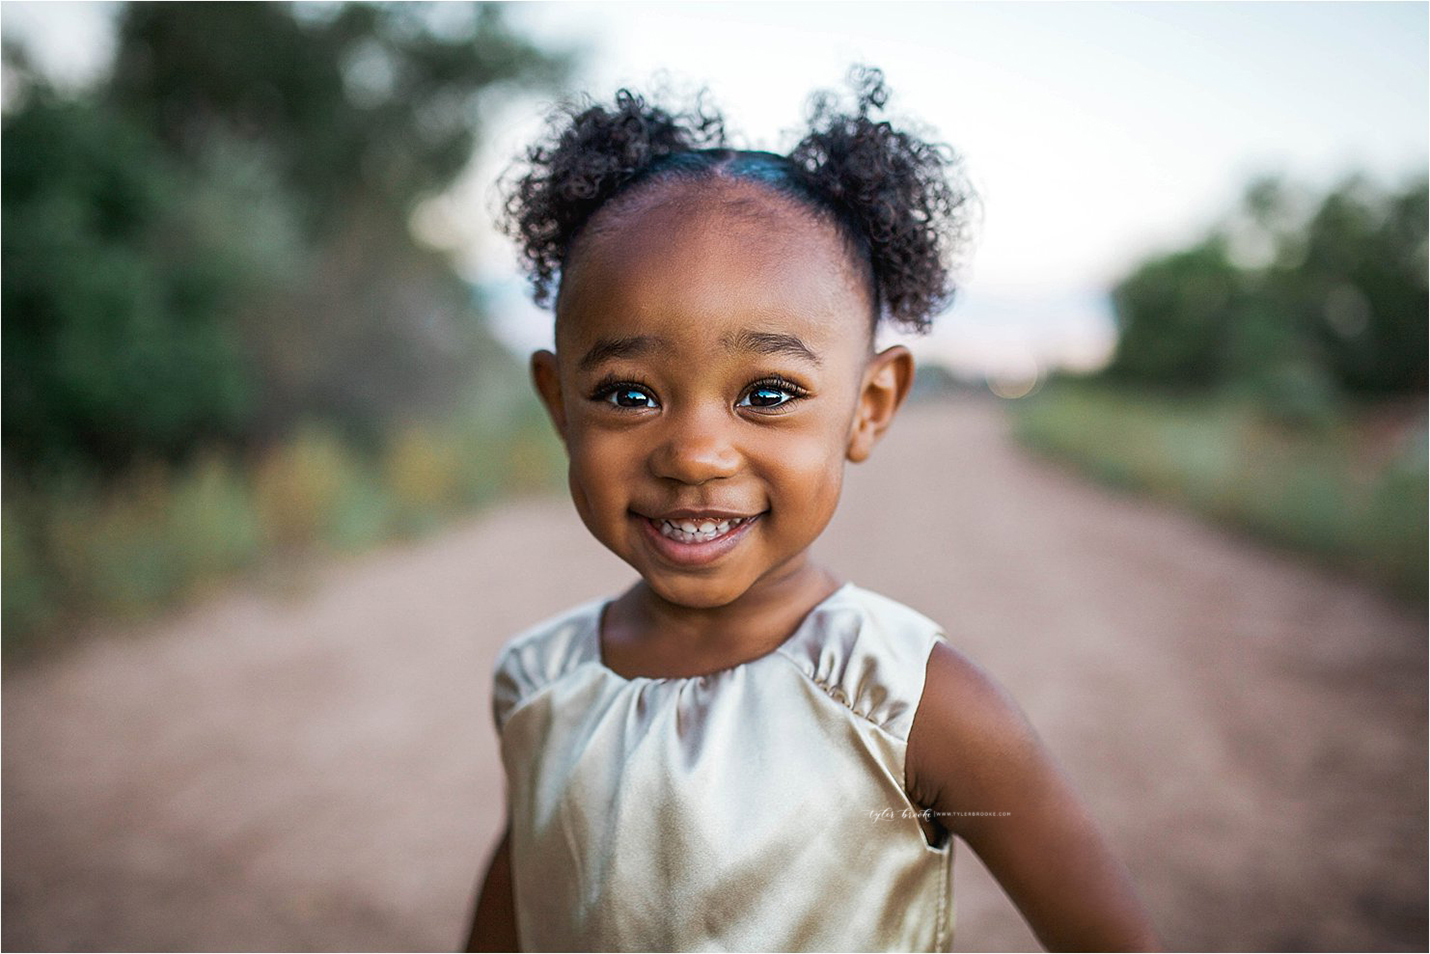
x=767, y=396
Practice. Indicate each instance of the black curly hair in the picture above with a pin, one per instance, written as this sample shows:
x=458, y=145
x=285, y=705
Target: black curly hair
x=901, y=204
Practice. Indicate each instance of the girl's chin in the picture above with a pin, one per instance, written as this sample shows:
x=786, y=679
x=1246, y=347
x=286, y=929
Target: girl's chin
x=694, y=593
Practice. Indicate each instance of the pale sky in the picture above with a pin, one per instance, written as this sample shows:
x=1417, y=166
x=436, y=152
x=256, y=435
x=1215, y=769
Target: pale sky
x=1095, y=132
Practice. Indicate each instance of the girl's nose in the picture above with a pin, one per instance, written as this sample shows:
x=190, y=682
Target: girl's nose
x=694, y=452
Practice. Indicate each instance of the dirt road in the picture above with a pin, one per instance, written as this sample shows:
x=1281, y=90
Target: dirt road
x=318, y=770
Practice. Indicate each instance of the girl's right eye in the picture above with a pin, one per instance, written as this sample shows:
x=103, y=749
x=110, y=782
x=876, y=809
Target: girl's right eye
x=630, y=396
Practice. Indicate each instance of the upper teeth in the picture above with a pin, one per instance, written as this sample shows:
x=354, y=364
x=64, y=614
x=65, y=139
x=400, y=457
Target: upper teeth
x=690, y=531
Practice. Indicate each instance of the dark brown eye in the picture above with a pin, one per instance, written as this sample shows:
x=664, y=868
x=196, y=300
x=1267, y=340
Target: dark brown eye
x=630, y=397
x=765, y=396
x=773, y=393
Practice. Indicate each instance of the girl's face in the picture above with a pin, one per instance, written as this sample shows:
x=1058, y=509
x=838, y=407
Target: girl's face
x=713, y=372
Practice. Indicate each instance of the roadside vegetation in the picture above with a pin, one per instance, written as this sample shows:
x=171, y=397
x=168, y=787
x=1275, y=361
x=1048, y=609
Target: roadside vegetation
x=125, y=545
x=1273, y=377
x=1352, y=493
x=224, y=348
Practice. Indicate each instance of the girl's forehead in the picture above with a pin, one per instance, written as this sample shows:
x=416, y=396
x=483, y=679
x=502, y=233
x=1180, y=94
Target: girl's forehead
x=695, y=214
x=694, y=261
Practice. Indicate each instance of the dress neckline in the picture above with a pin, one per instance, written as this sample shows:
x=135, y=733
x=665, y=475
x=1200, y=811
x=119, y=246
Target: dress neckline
x=593, y=632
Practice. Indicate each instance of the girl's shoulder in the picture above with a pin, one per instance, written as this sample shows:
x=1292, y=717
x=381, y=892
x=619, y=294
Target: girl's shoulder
x=541, y=654
x=868, y=652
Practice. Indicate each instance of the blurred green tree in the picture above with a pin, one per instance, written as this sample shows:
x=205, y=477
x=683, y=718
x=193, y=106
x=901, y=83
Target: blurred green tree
x=1363, y=283
x=360, y=102
x=214, y=243
x=1293, y=300
x=114, y=336
x=1173, y=314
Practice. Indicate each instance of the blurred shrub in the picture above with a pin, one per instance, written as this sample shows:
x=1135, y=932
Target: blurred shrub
x=1320, y=490
x=1392, y=532
x=115, y=546
x=424, y=471
x=129, y=545
x=210, y=519
x=28, y=584
x=297, y=485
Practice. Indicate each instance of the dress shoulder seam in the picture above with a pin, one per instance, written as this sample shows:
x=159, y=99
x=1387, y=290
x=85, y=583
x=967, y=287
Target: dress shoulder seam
x=528, y=662
x=908, y=691
x=837, y=696
x=535, y=693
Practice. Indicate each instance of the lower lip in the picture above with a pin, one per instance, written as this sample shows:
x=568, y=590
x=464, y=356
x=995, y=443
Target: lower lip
x=696, y=554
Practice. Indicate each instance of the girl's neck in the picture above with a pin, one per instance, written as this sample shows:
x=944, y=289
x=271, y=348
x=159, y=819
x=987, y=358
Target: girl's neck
x=645, y=635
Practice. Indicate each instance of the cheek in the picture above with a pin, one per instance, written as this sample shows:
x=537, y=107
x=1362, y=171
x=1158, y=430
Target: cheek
x=598, y=469
x=809, y=469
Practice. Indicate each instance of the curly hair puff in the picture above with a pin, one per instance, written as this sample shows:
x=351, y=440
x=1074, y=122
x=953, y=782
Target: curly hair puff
x=902, y=204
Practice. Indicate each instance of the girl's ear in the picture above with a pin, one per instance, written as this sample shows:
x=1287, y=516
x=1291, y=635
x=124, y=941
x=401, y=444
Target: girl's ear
x=887, y=380
x=548, y=385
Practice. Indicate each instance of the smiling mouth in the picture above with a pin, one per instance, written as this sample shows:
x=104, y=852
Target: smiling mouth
x=700, y=530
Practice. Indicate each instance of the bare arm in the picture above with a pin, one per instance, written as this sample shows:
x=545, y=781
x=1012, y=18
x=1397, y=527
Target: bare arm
x=971, y=749
x=494, y=918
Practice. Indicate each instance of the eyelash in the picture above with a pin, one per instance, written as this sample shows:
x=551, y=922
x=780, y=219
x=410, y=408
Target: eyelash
x=611, y=385
x=776, y=383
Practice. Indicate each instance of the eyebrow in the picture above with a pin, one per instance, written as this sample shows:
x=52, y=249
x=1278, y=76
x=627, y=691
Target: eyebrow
x=768, y=342
x=635, y=346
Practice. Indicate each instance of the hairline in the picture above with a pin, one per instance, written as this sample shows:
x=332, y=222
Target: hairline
x=857, y=258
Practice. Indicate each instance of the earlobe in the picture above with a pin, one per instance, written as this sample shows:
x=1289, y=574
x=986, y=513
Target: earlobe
x=545, y=377
x=887, y=380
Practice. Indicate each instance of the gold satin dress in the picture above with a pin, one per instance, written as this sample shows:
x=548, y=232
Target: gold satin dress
x=758, y=808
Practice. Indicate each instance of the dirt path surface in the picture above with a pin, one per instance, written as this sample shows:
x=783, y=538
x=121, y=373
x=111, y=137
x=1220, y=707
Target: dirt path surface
x=318, y=771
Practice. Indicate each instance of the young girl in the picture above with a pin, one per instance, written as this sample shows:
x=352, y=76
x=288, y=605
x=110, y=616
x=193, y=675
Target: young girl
x=743, y=752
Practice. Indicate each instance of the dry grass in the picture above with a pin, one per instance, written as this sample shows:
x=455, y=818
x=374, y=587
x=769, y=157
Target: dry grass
x=76, y=548
x=1351, y=492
